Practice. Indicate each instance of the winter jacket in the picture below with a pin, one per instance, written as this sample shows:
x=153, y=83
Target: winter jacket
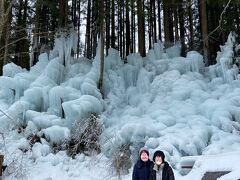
x=141, y=170
x=167, y=172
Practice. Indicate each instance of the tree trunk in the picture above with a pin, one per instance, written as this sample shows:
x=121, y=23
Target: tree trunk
x=74, y=13
x=43, y=25
x=141, y=28
x=1, y=164
x=123, y=30
x=128, y=38
x=154, y=22
x=132, y=26
x=159, y=21
x=8, y=27
x=22, y=45
x=176, y=16
x=36, y=45
x=63, y=13
x=87, y=40
x=95, y=26
x=182, y=30
x=25, y=56
x=238, y=20
x=4, y=13
x=150, y=24
x=100, y=82
x=168, y=24
x=204, y=30
x=107, y=17
x=2, y=17
x=78, y=30
x=190, y=18
x=113, y=37
x=120, y=24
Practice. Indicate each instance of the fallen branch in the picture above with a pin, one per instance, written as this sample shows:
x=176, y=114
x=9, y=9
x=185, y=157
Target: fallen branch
x=6, y=115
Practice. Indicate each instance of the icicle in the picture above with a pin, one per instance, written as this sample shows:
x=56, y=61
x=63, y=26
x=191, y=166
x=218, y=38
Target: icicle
x=158, y=50
x=196, y=61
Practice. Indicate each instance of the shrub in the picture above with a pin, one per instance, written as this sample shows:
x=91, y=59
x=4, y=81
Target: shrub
x=85, y=138
x=121, y=159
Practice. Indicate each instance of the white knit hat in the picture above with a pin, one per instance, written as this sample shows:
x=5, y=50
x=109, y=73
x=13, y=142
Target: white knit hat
x=143, y=149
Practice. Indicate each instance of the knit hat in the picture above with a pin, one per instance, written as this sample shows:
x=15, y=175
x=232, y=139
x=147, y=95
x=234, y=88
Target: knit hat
x=160, y=154
x=143, y=149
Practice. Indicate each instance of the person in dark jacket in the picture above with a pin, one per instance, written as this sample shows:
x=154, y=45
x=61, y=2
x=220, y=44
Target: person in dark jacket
x=160, y=170
x=141, y=170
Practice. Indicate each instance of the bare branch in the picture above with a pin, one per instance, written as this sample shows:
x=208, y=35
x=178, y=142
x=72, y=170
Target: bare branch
x=220, y=20
x=4, y=15
x=6, y=115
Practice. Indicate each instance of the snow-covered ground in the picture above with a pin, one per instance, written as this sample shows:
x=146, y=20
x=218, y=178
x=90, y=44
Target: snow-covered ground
x=162, y=101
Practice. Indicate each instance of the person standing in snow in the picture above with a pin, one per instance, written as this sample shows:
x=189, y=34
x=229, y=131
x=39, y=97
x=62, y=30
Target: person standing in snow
x=160, y=170
x=141, y=170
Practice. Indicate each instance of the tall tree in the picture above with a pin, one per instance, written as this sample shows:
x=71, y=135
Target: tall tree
x=132, y=4
x=4, y=13
x=107, y=22
x=100, y=81
x=45, y=23
x=190, y=20
x=74, y=12
x=176, y=15
x=35, y=45
x=22, y=45
x=123, y=29
x=159, y=20
x=204, y=30
x=88, y=53
x=5, y=21
x=113, y=36
x=63, y=13
x=7, y=37
x=182, y=27
x=95, y=26
x=141, y=28
x=168, y=23
x=78, y=27
x=128, y=40
x=154, y=21
x=120, y=27
x=150, y=24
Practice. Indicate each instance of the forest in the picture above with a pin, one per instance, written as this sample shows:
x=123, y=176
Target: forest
x=28, y=27
x=84, y=84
